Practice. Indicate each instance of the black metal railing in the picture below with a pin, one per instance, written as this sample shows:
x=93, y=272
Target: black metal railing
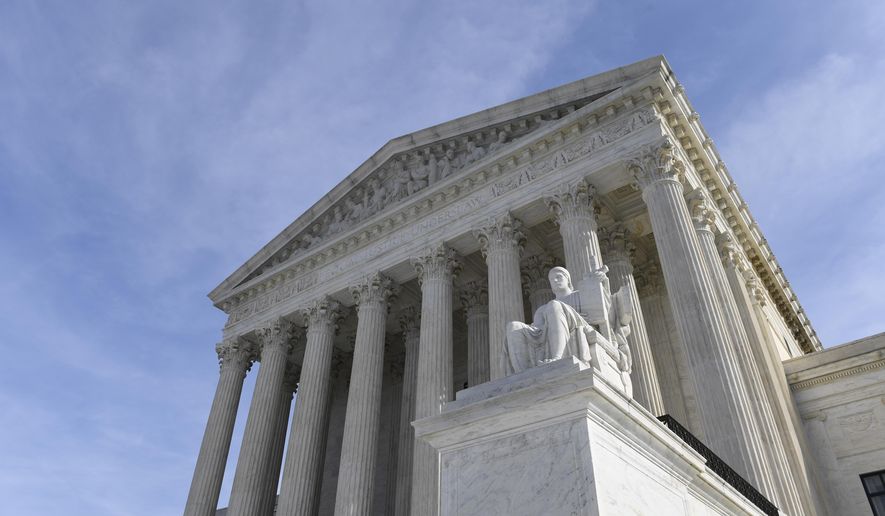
x=720, y=467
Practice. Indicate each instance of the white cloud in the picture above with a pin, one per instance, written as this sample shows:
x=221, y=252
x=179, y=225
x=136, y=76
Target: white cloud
x=807, y=153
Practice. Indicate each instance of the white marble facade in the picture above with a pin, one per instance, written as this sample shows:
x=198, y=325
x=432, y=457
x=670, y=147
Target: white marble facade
x=394, y=292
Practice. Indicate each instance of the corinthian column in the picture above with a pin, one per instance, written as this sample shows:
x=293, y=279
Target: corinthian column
x=573, y=207
x=502, y=243
x=749, y=296
x=299, y=493
x=725, y=417
x=774, y=419
x=433, y=388
x=769, y=446
x=356, y=478
x=290, y=385
x=534, y=280
x=410, y=322
x=235, y=358
x=618, y=258
x=257, y=449
x=475, y=301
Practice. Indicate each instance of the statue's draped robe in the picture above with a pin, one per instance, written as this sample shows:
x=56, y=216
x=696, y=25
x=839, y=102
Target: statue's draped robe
x=558, y=330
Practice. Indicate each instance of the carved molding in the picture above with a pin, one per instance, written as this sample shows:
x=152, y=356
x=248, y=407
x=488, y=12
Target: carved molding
x=820, y=380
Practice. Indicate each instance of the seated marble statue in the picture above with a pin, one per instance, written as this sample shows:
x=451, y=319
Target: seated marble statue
x=560, y=328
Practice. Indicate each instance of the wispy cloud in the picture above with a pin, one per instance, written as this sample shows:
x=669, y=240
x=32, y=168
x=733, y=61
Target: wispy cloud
x=146, y=151
x=808, y=154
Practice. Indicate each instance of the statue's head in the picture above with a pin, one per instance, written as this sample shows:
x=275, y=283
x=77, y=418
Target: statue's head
x=560, y=281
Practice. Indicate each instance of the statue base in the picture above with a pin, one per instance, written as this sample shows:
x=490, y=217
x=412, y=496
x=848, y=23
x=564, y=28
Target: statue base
x=560, y=439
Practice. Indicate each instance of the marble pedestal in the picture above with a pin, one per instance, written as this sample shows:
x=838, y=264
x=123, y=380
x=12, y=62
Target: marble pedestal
x=560, y=440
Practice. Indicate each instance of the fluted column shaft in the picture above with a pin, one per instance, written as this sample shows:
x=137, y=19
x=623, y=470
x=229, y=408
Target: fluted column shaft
x=356, y=475
x=753, y=356
x=646, y=387
x=257, y=448
x=776, y=483
x=299, y=493
x=750, y=296
x=433, y=387
x=475, y=302
x=670, y=362
x=573, y=207
x=269, y=498
x=727, y=422
x=502, y=244
x=235, y=360
x=410, y=324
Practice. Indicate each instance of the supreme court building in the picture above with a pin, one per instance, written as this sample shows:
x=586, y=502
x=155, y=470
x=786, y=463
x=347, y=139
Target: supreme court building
x=380, y=325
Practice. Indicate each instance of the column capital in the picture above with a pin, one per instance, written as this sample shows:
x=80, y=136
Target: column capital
x=654, y=163
x=731, y=253
x=648, y=279
x=474, y=297
x=341, y=361
x=276, y=336
x=291, y=377
x=323, y=312
x=572, y=201
x=534, y=270
x=500, y=234
x=616, y=245
x=235, y=354
x=375, y=288
x=439, y=262
x=703, y=215
x=410, y=323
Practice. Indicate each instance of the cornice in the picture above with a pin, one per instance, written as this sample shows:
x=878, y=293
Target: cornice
x=597, y=125
x=684, y=126
x=831, y=377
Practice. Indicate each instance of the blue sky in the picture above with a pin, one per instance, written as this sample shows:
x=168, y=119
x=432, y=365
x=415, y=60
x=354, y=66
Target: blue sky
x=149, y=148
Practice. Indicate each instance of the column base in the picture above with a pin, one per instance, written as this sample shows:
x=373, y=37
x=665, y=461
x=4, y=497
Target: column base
x=560, y=439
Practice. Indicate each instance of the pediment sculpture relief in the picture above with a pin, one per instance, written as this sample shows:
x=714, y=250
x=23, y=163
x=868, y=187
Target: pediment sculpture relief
x=407, y=174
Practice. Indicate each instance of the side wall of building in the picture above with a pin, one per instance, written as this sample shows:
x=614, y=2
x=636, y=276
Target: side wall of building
x=840, y=395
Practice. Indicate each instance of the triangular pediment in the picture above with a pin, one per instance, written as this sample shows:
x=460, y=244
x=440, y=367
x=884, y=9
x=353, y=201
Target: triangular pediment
x=405, y=166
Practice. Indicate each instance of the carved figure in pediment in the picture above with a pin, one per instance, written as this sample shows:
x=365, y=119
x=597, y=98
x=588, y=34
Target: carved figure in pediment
x=420, y=177
x=500, y=142
x=336, y=223
x=354, y=208
x=448, y=164
x=400, y=182
x=311, y=237
x=376, y=194
x=432, y=168
x=474, y=153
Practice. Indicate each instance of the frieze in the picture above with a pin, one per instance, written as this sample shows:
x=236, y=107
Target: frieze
x=497, y=187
